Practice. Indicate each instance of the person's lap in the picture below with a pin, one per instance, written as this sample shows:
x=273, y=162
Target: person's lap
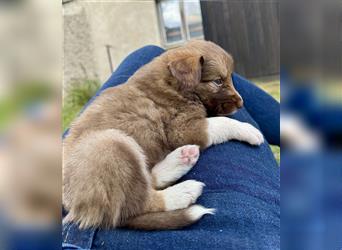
x=242, y=183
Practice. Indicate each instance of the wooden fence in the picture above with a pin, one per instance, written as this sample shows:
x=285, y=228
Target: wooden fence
x=248, y=30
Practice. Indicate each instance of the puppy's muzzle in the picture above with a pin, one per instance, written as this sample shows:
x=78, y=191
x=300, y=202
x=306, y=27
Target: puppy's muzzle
x=239, y=102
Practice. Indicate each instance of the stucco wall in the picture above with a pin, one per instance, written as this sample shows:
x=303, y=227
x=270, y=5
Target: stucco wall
x=79, y=60
x=91, y=25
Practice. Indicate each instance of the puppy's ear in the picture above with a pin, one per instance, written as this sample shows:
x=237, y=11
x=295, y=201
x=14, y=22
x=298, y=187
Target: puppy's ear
x=187, y=70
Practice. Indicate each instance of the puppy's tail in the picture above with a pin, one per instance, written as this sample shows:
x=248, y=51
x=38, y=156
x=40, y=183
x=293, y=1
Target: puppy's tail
x=169, y=220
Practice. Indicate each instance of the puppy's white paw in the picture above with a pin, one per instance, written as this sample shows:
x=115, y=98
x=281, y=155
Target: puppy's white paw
x=188, y=155
x=182, y=195
x=175, y=165
x=252, y=135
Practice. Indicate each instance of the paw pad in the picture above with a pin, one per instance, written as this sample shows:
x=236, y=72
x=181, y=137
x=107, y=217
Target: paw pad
x=189, y=154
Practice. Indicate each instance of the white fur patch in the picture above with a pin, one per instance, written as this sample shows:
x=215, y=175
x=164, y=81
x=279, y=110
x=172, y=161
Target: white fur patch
x=196, y=212
x=182, y=195
x=222, y=129
x=173, y=167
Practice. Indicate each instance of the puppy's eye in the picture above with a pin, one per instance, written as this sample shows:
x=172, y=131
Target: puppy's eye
x=218, y=82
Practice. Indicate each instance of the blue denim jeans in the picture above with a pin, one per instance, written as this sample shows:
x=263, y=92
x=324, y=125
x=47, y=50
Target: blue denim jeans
x=242, y=183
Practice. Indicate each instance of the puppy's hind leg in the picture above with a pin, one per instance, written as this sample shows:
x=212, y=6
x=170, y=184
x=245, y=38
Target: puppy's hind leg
x=175, y=165
x=171, y=208
x=105, y=179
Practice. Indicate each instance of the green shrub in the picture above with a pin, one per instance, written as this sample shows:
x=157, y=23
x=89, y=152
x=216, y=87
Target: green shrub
x=77, y=96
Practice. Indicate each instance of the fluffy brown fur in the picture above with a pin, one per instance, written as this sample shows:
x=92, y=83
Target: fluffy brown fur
x=113, y=145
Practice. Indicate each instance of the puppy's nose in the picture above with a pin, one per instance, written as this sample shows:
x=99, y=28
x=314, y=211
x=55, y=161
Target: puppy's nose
x=239, y=103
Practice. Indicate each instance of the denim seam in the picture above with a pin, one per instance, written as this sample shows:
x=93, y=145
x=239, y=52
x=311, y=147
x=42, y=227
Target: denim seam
x=68, y=226
x=88, y=244
x=92, y=235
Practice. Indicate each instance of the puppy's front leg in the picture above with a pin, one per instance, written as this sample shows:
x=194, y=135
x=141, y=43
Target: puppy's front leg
x=222, y=129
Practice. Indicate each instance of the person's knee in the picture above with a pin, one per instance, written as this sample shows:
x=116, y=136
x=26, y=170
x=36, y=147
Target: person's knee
x=152, y=48
x=149, y=51
x=132, y=63
x=138, y=58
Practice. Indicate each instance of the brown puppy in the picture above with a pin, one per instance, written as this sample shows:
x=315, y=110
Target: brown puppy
x=115, y=170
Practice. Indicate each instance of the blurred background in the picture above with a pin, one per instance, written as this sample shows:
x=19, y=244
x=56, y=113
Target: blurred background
x=311, y=124
x=30, y=123
x=54, y=55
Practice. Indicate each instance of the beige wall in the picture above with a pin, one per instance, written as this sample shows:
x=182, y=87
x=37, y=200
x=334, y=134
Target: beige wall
x=90, y=25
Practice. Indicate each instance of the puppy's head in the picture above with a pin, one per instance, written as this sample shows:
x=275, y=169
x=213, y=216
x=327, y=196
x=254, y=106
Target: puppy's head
x=204, y=69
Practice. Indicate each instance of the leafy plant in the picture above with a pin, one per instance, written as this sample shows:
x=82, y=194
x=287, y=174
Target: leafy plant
x=77, y=96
